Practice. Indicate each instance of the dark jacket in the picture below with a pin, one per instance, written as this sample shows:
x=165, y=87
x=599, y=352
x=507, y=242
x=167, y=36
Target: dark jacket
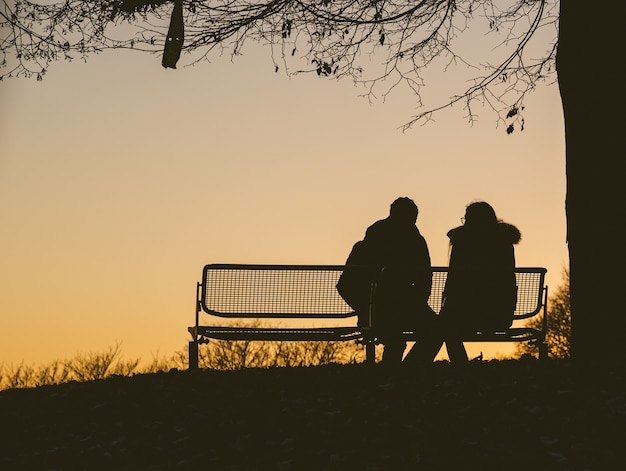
x=480, y=291
x=400, y=250
x=398, y=261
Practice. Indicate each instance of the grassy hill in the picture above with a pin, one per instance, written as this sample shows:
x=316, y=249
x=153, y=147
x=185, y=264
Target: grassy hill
x=490, y=415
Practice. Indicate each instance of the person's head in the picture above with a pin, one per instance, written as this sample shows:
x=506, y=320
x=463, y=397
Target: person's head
x=480, y=214
x=403, y=210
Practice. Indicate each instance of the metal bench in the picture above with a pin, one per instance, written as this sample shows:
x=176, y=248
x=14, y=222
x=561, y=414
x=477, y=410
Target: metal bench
x=306, y=296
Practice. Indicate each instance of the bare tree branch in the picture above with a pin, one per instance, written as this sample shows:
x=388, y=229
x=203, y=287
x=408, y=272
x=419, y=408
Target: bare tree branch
x=383, y=45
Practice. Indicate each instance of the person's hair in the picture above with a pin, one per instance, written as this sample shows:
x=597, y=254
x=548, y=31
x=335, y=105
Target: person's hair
x=405, y=209
x=480, y=213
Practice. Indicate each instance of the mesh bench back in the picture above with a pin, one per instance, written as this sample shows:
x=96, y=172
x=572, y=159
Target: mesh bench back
x=530, y=291
x=283, y=291
x=308, y=291
x=530, y=284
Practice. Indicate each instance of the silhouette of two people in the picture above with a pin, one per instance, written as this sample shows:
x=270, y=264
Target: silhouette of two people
x=480, y=292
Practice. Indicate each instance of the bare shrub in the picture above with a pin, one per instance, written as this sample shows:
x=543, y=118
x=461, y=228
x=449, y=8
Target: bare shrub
x=82, y=367
x=125, y=367
x=20, y=376
x=27, y=376
x=238, y=354
x=51, y=373
x=179, y=360
x=99, y=365
x=316, y=353
x=234, y=355
x=160, y=363
x=219, y=355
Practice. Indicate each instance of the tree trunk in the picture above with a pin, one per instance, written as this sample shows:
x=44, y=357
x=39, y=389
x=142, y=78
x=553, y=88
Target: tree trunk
x=589, y=61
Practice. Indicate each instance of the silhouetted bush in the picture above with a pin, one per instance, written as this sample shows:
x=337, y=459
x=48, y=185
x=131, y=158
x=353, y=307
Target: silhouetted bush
x=218, y=355
x=83, y=367
x=234, y=355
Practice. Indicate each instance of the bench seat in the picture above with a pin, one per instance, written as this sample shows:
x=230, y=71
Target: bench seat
x=328, y=334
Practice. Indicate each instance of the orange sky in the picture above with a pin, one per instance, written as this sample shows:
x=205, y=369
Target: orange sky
x=119, y=180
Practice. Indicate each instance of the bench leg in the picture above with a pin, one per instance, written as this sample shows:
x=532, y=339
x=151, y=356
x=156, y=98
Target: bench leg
x=370, y=352
x=543, y=351
x=193, y=355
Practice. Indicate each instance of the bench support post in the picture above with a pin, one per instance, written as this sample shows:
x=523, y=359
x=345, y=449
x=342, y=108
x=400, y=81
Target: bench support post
x=193, y=355
x=370, y=352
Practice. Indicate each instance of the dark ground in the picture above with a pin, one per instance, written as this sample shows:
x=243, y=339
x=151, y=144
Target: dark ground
x=491, y=415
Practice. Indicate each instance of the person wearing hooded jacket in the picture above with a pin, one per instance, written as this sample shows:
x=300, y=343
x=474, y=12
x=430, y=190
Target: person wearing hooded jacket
x=480, y=292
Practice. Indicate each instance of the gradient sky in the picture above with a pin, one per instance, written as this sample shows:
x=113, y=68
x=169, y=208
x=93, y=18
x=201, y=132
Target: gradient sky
x=120, y=180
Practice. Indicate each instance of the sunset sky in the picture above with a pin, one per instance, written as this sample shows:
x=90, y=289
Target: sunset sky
x=120, y=180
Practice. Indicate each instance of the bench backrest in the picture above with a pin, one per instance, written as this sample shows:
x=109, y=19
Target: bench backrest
x=270, y=291
x=530, y=290
x=308, y=291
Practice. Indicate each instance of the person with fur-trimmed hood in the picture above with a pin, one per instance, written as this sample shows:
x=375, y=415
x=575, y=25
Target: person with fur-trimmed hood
x=480, y=292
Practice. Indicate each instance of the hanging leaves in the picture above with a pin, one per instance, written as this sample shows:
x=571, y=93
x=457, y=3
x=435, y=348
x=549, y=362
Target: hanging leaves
x=286, y=29
x=515, y=112
x=323, y=67
x=128, y=8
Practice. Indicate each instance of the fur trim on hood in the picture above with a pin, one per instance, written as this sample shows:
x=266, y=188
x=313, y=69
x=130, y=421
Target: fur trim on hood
x=506, y=231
